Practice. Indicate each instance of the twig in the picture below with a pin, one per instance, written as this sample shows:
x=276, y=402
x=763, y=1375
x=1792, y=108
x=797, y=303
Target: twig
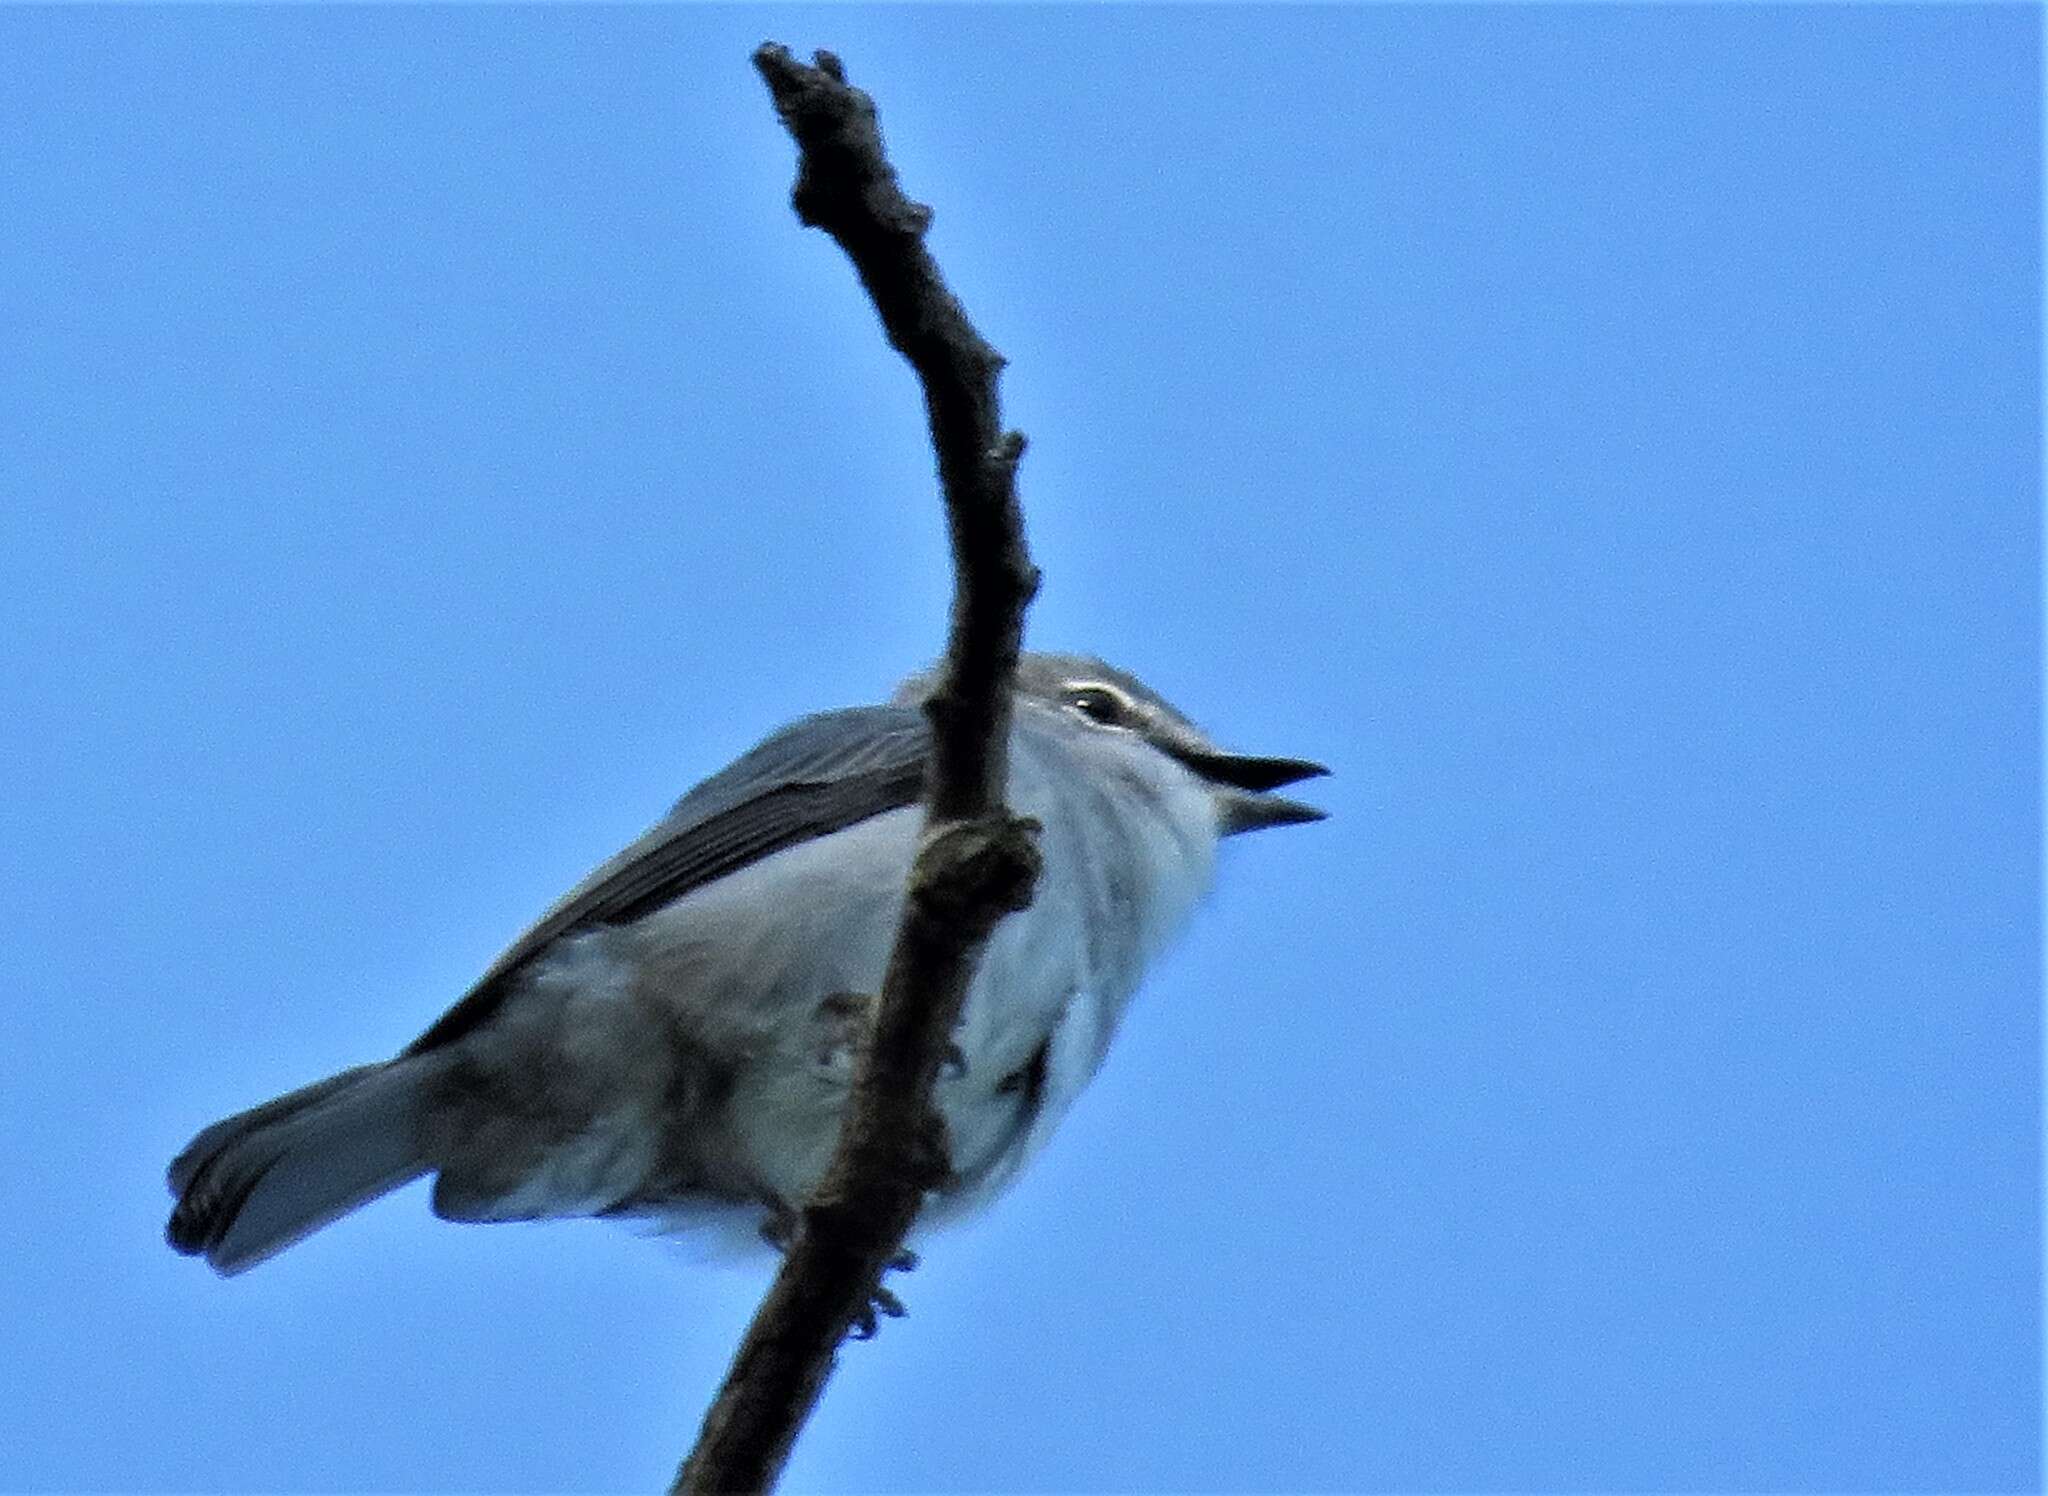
x=975, y=861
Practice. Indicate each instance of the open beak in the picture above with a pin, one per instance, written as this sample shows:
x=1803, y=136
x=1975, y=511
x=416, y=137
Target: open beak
x=1244, y=801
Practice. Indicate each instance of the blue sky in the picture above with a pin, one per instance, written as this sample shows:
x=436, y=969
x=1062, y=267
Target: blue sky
x=1610, y=438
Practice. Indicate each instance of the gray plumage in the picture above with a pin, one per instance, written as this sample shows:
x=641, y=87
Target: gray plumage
x=678, y=1031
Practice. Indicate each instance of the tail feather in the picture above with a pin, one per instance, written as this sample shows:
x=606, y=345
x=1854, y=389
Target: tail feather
x=251, y=1185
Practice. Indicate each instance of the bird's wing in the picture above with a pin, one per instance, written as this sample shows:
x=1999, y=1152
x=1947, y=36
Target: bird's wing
x=812, y=778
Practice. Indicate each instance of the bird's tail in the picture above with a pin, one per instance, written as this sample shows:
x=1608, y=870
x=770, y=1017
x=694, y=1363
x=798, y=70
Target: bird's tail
x=251, y=1185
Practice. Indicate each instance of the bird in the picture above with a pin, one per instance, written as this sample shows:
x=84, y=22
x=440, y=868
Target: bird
x=676, y=1036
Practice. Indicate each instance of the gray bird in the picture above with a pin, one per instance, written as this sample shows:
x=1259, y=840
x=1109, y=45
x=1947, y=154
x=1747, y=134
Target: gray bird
x=676, y=1035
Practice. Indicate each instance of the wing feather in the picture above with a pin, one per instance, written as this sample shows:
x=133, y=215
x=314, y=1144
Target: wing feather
x=814, y=777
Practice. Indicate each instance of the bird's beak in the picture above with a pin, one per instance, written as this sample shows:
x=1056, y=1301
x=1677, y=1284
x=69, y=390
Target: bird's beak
x=1244, y=801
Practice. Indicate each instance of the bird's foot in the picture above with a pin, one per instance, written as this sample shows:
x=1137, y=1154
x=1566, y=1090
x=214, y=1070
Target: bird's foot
x=779, y=1231
x=881, y=1300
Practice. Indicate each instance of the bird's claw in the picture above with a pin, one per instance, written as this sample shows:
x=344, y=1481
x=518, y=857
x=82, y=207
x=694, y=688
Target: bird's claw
x=779, y=1230
x=881, y=1301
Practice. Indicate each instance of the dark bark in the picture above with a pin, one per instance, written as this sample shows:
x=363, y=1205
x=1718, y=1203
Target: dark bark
x=975, y=861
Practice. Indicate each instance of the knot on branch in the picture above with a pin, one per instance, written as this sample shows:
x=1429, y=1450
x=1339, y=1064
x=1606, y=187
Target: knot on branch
x=844, y=181
x=1009, y=449
x=971, y=873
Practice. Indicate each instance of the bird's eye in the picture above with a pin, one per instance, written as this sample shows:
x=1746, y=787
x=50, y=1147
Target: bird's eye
x=1099, y=705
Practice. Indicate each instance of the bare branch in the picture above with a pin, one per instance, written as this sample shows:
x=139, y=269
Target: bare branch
x=975, y=861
